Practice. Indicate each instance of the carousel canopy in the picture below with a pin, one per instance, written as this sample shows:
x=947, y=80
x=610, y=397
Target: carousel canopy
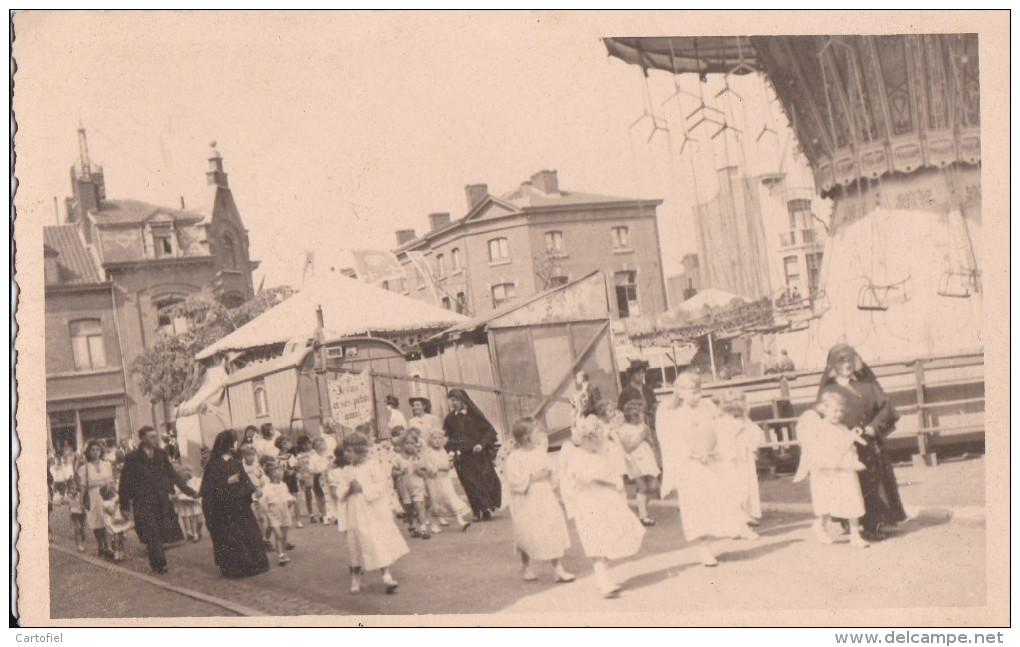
x=349, y=308
x=861, y=106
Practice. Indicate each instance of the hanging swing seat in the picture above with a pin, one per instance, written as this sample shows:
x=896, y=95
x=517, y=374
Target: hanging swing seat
x=868, y=299
x=959, y=285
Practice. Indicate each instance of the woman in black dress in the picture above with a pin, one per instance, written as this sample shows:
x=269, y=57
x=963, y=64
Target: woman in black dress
x=227, y=494
x=473, y=440
x=868, y=409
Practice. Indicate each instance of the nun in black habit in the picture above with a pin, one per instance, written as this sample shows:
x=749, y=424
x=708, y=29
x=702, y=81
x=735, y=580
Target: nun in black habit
x=473, y=440
x=869, y=410
x=227, y=495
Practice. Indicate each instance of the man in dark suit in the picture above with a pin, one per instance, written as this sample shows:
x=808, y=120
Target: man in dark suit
x=146, y=485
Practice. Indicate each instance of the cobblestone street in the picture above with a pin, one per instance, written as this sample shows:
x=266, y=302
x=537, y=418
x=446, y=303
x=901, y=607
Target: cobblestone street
x=933, y=560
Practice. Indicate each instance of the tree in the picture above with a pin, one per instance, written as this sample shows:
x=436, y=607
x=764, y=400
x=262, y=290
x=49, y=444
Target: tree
x=547, y=266
x=167, y=371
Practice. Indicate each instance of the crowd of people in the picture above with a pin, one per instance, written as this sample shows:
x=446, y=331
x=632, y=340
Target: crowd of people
x=257, y=486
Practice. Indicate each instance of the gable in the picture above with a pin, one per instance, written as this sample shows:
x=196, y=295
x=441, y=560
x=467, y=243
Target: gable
x=491, y=211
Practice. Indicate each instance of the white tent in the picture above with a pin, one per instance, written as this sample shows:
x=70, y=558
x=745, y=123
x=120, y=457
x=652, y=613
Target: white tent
x=349, y=307
x=708, y=297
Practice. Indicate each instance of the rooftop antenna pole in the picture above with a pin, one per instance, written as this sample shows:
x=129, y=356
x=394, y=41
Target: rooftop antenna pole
x=56, y=209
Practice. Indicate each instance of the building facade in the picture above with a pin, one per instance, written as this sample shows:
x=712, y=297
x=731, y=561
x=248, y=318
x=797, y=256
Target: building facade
x=531, y=239
x=109, y=270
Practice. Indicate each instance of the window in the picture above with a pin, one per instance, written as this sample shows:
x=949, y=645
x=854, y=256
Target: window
x=792, y=268
x=446, y=303
x=556, y=281
x=554, y=241
x=626, y=294
x=162, y=241
x=261, y=399
x=440, y=265
x=455, y=259
x=503, y=292
x=621, y=238
x=386, y=285
x=814, y=271
x=87, y=344
x=800, y=214
x=167, y=323
x=229, y=252
x=461, y=302
x=499, y=250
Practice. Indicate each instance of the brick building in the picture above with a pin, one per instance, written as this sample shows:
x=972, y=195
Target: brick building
x=108, y=271
x=533, y=238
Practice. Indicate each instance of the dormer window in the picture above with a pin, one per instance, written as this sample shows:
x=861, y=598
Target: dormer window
x=162, y=241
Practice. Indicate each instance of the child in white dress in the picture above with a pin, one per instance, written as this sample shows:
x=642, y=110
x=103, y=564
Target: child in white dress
x=540, y=529
x=692, y=465
x=445, y=501
x=76, y=507
x=373, y=539
x=829, y=456
x=277, y=501
x=738, y=442
x=114, y=521
x=636, y=440
x=189, y=510
x=593, y=488
x=253, y=468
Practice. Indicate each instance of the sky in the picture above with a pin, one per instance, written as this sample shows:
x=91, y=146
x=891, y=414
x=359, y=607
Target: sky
x=337, y=129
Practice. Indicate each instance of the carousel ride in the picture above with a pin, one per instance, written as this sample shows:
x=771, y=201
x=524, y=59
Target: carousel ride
x=890, y=129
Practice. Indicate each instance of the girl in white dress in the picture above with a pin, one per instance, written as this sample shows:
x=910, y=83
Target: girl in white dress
x=593, y=489
x=636, y=440
x=829, y=456
x=739, y=439
x=436, y=462
x=114, y=521
x=373, y=539
x=691, y=465
x=540, y=529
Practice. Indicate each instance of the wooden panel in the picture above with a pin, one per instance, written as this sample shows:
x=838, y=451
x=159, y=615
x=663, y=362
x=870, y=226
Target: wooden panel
x=518, y=369
x=554, y=356
x=280, y=388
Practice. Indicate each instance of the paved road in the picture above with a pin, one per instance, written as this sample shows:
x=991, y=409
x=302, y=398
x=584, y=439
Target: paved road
x=79, y=589
x=934, y=560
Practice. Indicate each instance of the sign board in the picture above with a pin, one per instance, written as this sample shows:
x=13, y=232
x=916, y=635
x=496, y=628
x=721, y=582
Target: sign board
x=350, y=398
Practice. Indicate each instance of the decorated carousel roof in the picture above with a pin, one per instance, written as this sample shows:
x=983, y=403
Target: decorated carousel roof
x=861, y=106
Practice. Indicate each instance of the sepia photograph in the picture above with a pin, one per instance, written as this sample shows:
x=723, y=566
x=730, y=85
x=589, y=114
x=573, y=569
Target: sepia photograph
x=515, y=318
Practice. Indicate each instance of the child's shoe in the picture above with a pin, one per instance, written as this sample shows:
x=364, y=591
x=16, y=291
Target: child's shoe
x=563, y=576
x=529, y=575
x=749, y=533
x=299, y=525
x=81, y=547
x=414, y=532
x=821, y=534
x=425, y=534
x=391, y=584
x=436, y=529
x=283, y=560
x=707, y=556
x=444, y=522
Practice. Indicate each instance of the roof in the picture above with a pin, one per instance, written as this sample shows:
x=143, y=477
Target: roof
x=349, y=308
x=526, y=197
x=74, y=263
x=129, y=212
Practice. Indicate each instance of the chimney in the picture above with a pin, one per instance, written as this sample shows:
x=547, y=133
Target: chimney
x=546, y=181
x=475, y=194
x=405, y=236
x=437, y=220
x=215, y=175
